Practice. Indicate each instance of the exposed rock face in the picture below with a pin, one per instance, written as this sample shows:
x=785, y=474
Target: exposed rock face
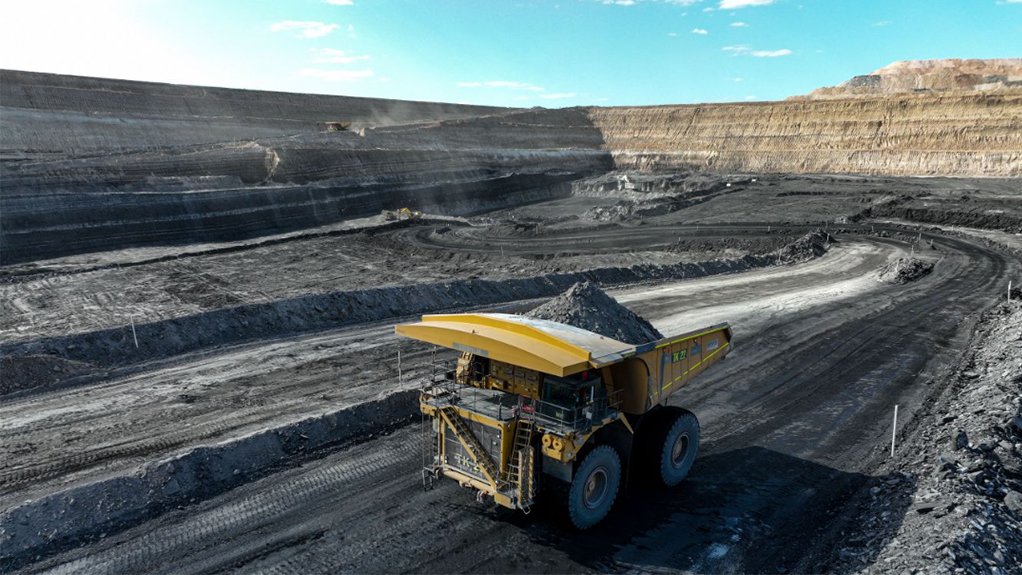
x=91, y=164
x=50, y=113
x=952, y=134
x=586, y=306
x=952, y=75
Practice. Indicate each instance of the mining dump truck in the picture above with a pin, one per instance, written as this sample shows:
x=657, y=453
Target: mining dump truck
x=533, y=405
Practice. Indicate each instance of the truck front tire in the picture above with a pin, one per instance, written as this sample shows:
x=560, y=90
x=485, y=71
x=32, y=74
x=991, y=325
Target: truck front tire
x=678, y=453
x=594, y=487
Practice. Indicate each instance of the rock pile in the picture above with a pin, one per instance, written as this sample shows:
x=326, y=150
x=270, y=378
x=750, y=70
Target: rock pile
x=954, y=500
x=905, y=270
x=807, y=247
x=586, y=306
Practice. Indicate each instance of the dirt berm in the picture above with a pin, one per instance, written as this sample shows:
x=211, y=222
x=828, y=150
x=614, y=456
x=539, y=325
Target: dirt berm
x=74, y=516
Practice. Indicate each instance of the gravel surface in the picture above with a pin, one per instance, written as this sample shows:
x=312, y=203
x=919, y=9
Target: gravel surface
x=586, y=306
x=952, y=497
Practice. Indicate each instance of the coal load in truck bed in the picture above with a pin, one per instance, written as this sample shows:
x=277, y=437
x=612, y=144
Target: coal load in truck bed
x=585, y=305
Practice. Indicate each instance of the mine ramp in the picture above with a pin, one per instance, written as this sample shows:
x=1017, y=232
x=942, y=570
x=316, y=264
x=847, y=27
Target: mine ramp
x=534, y=405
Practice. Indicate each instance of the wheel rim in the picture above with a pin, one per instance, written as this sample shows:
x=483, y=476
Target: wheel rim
x=679, y=450
x=595, y=490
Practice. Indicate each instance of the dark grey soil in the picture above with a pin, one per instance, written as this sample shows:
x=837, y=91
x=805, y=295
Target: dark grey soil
x=586, y=306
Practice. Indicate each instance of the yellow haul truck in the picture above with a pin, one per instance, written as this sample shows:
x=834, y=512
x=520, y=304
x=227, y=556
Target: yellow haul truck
x=533, y=402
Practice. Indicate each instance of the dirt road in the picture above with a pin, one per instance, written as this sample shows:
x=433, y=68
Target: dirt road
x=792, y=422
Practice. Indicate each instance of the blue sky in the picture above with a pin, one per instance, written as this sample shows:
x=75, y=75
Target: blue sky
x=515, y=53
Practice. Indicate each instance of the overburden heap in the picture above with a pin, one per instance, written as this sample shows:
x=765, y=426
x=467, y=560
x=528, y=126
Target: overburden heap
x=586, y=306
x=905, y=270
x=807, y=247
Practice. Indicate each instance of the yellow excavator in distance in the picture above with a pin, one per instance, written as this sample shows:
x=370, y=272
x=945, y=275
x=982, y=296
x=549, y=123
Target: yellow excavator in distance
x=401, y=214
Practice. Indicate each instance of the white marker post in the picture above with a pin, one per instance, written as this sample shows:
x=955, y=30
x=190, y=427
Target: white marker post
x=399, y=367
x=894, y=429
x=1009, y=290
x=133, y=336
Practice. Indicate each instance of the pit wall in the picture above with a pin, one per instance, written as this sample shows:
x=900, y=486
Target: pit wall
x=44, y=225
x=967, y=135
x=56, y=113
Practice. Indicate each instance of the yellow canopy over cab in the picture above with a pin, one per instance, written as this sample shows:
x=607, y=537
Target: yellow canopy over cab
x=544, y=346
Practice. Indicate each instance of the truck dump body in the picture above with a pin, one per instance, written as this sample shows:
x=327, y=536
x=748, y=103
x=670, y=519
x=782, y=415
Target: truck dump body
x=645, y=374
x=530, y=396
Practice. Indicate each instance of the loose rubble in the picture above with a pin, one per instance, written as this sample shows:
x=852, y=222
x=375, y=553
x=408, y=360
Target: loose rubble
x=905, y=270
x=957, y=479
x=809, y=246
x=586, y=306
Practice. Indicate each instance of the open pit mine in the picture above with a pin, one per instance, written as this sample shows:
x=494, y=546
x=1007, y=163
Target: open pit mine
x=200, y=370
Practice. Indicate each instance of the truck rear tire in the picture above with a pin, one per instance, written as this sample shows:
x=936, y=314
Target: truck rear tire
x=594, y=487
x=678, y=453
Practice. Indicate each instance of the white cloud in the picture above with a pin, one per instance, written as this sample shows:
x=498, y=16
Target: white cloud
x=882, y=23
x=739, y=25
x=336, y=75
x=331, y=56
x=770, y=53
x=340, y=2
x=672, y=34
x=558, y=95
x=743, y=49
x=739, y=79
x=305, y=29
x=733, y=4
x=501, y=84
x=700, y=31
x=634, y=2
x=750, y=98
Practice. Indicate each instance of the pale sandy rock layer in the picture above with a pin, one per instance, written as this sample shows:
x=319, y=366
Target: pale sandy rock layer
x=951, y=75
x=954, y=135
